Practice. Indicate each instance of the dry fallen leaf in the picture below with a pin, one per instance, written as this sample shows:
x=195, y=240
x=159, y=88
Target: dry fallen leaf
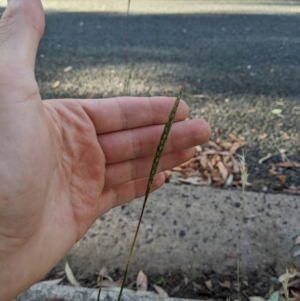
x=211, y=166
x=208, y=284
x=285, y=135
x=223, y=170
x=226, y=145
x=236, y=165
x=175, y=289
x=293, y=189
x=282, y=154
x=201, y=96
x=282, y=178
x=296, y=294
x=197, y=286
x=67, y=69
x=229, y=180
x=225, y=284
x=161, y=292
x=272, y=170
x=193, y=181
x=203, y=161
x=263, y=136
x=278, y=112
x=103, y=271
x=70, y=276
x=263, y=159
x=52, y=282
x=167, y=175
x=198, y=149
x=215, y=159
x=236, y=139
x=236, y=145
x=295, y=282
x=297, y=240
x=108, y=283
x=186, y=280
x=287, y=164
x=255, y=298
x=214, y=145
x=141, y=282
x=293, y=270
x=252, y=110
x=286, y=276
x=296, y=251
x=55, y=84
x=296, y=110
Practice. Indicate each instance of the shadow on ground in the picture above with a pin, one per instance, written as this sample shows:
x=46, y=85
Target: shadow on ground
x=243, y=54
x=251, y=61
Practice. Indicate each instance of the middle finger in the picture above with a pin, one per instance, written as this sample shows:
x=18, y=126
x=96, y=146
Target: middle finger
x=131, y=170
x=141, y=142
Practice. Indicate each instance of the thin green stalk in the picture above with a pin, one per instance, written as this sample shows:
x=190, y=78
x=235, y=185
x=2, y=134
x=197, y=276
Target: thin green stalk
x=127, y=83
x=127, y=17
x=244, y=177
x=99, y=291
x=155, y=163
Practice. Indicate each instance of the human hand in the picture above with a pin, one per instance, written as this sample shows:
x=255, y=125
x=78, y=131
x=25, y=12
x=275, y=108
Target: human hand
x=65, y=162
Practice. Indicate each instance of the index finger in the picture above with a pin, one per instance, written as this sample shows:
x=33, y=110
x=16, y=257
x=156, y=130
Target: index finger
x=120, y=113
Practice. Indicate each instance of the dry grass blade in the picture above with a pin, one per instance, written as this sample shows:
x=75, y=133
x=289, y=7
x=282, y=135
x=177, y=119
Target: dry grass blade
x=155, y=163
x=244, y=177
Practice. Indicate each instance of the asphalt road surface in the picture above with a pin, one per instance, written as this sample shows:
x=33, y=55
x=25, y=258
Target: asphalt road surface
x=244, y=60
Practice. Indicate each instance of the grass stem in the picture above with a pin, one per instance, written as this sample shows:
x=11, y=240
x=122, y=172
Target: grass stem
x=127, y=25
x=154, y=167
x=244, y=177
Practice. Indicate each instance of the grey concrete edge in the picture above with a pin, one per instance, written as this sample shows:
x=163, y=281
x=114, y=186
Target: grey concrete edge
x=41, y=292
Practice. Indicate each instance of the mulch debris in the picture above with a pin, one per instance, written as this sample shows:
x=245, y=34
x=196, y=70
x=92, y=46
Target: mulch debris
x=218, y=164
x=207, y=285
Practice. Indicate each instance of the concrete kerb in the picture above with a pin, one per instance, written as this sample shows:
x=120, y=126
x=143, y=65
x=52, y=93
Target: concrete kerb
x=68, y=293
x=192, y=228
x=184, y=227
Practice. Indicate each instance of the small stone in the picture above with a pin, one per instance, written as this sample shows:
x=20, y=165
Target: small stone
x=182, y=233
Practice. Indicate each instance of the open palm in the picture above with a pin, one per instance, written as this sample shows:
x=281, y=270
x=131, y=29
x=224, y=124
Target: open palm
x=65, y=162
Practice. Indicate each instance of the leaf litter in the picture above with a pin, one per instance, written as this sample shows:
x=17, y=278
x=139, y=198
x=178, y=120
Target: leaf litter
x=141, y=282
x=217, y=164
x=70, y=276
x=214, y=165
x=208, y=284
x=160, y=291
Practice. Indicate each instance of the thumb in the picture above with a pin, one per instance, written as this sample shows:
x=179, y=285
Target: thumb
x=21, y=28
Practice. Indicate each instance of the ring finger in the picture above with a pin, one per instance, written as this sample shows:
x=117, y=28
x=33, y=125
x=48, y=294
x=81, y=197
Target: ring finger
x=134, y=169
